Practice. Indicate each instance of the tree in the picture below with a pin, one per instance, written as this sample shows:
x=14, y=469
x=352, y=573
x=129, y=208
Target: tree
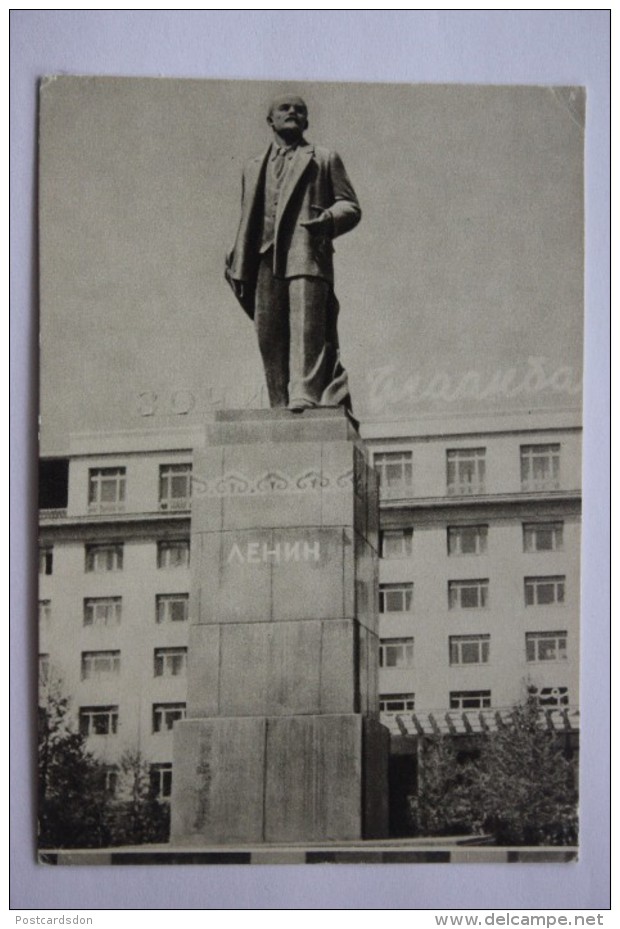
x=72, y=800
x=137, y=815
x=76, y=807
x=526, y=783
x=444, y=803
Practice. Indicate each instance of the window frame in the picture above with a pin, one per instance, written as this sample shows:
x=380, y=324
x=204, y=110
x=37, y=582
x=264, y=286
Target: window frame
x=531, y=530
x=456, y=483
x=43, y=668
x=163, y=603
x=404, y=698
x=535, y=584
x=44, y=610
x=91, y=713
x=111, y=780
x=459, y=699
x=160, y=776
x=390, y=589
x=88, y=660
x=115, y=557
x=455, y=648
x=165, y=715
x=407, y=652
x=163, y=653
x=530, y=455
x=481, y=539
x=456, y=588
x=91, y=604
x=558, y=636
x=97, y=478
x=167, y=546
x=406, y=547
x=168, y=474
x=46, y=560
x=389, y=485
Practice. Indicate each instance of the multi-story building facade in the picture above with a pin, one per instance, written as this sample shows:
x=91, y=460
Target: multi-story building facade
x=478, y=593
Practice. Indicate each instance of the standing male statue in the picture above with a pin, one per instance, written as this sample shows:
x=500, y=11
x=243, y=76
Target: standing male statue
x=296, y=198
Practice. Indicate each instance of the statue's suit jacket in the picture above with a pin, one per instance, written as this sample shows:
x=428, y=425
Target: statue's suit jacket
x=316, y=181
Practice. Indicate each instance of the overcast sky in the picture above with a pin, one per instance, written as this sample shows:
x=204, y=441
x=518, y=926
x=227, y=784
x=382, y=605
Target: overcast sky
x=461, y=289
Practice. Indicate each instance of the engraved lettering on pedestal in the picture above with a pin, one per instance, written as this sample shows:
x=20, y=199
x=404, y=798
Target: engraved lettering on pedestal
x=281, y=552
x=203, y=771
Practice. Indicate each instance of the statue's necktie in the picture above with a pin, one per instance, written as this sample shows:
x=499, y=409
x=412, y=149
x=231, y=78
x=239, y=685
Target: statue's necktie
x=280, y=163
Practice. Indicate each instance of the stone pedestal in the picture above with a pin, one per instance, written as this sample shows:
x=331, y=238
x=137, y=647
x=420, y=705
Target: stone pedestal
x=282, y=741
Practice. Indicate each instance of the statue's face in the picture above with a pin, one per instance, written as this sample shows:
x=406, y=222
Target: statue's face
x=289, y=115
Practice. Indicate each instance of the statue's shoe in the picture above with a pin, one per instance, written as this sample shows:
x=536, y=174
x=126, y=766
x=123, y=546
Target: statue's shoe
x=298, y=406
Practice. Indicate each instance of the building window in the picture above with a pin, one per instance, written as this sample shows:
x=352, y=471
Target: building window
x=470, y=699
x=395, y=598
x=110, y=780
x=466, y=470
x=175, y=487
x=468, y=595
x=106, y=490
x=172, y=608
x=46, y=559
x=161, y=781
x=44, y=669
x=173, y=554
x=103, y=558
x=395, y=470
x=543, y=537
x=396, y=703
x=545, y=646
x=100, y=666
x=467, y=540
x=170, y=662
x=165, y=715
x=540, y=467
x=396, y=653
x=396, y=543
x=550, y=696
x=543, y=591
x=469, y=649
x=98, y=720
x=102, y=611
x=45, y=611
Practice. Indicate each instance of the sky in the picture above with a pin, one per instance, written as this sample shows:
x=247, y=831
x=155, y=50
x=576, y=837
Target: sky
x=461, y=290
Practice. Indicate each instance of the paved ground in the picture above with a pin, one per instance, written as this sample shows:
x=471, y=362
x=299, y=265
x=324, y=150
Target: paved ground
x=444, y=850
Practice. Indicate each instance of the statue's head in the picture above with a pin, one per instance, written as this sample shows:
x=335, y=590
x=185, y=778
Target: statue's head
x=288, y=115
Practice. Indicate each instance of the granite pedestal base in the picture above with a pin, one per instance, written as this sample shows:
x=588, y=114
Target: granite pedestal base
x=279, y=779
x=282, y=741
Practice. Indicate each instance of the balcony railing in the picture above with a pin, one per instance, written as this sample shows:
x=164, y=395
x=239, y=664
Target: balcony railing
x=53, y=513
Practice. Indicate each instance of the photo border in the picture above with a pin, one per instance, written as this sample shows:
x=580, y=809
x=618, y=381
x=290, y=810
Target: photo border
x=498, y=47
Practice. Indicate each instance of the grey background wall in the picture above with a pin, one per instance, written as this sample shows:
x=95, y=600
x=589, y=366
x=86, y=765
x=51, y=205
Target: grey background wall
x=467, y=263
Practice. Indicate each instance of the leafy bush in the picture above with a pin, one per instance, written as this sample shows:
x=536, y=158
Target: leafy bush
x=444, y=804
x=520, y=787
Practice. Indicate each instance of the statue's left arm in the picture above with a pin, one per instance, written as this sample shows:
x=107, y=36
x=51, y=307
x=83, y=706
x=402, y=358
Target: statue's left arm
x=339, y=211
x=345, y=211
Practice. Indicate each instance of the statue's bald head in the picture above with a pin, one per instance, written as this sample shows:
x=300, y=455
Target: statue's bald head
x=288, y=113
